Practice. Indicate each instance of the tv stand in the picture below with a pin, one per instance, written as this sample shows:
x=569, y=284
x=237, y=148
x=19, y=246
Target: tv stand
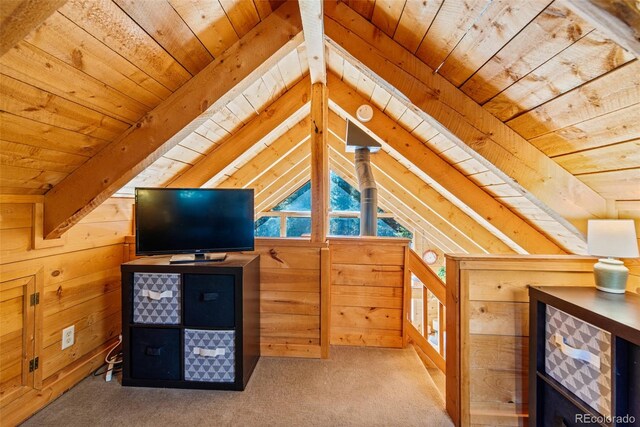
x=210, y=257
x=191, y=325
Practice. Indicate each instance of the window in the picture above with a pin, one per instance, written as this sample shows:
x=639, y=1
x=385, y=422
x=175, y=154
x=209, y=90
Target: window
x=292, y=216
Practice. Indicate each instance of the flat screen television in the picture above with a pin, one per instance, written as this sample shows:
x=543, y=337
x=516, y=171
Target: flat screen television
x=195, y=221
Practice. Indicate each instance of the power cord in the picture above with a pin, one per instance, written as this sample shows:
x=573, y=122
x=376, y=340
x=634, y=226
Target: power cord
x=113, y=362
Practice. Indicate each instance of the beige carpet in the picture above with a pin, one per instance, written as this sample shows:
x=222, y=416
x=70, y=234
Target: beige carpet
x=355, y=387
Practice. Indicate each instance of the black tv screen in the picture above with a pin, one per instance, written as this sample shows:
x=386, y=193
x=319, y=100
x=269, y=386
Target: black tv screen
x=193, y=220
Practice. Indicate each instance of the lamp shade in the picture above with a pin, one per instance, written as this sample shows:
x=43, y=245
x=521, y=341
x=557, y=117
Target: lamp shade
x=615, y=238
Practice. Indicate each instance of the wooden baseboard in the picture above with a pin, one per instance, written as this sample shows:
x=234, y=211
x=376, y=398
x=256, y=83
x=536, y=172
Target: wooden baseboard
x=53, y=387
x=291, y=350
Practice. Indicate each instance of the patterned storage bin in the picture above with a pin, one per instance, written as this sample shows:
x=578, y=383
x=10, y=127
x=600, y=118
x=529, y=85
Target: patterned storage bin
x=209, y=356
x=156, y=298
x=578, y=355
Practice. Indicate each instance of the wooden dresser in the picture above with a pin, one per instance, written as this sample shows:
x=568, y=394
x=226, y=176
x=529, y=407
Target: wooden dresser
x=584, y=366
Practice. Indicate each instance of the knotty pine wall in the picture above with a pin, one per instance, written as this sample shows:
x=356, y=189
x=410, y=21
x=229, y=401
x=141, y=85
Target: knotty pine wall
x=487, y=354
x=293, y=274
x=367, y=282
x=80, y=286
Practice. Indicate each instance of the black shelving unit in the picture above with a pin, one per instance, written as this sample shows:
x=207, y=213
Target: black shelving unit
x=554, y=401
x=191, y=325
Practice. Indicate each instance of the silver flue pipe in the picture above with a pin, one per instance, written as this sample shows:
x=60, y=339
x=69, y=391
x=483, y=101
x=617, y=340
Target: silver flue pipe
x=368, y=193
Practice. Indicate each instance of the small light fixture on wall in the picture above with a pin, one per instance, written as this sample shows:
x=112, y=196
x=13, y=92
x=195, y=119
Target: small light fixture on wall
x=612, y=238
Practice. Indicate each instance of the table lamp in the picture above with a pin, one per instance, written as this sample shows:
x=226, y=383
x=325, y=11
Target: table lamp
x=611, y=238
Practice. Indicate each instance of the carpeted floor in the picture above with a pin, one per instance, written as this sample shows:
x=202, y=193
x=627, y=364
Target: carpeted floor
x=356, y=387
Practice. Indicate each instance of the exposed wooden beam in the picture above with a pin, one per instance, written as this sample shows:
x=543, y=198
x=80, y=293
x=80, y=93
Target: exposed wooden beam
x=444, y=232
x=319, y=162
x=482, y=206
x=282, y=184
x=618, y=19
x=263, y=161
x=289, y=187
x=264, y=185
x=172, y=120
x=391, y=205
x=403, y=215
x=538, y=178
x=292, y=102
x=389, y=195
x=271, y=183
x=313, y=29
x=440, y=206
x=19, y=17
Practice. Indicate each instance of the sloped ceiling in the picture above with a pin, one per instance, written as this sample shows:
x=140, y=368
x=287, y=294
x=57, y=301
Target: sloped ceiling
x=95, y=73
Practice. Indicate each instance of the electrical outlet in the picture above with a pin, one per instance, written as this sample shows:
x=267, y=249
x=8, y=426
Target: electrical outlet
x=68, y=336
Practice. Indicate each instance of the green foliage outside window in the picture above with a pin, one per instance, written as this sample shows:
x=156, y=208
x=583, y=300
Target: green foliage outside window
x=342, y=198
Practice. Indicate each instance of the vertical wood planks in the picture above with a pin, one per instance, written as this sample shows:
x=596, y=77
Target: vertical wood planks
x=319, y=162
x=487, y=330
x=291, y=298
x=367, y=285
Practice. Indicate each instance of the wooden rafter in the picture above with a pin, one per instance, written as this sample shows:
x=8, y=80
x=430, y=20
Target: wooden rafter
x=436, y=225
x=538, y=178
x=294, y=101
x=313, y=29
x=19, y=17
x=618, y=19
x=263, y=161
x=404, y=216
x=388, y=195
x=441, y=207
x=289, y=187
x=265, y=186
x=282, y=184
x=172, y=120
x=319, y=162
x=482, y=206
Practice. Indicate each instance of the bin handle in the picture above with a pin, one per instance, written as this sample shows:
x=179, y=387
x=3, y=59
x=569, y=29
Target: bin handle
x=576, y=353
x=157, y=296
x=153, y=351
x=209, y=296
x=206, y=352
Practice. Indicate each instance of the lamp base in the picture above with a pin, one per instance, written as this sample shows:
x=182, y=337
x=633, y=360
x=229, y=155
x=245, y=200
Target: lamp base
x=611, y=275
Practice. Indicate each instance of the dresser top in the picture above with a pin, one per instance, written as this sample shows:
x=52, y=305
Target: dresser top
x=619, y=313
x=232, y=260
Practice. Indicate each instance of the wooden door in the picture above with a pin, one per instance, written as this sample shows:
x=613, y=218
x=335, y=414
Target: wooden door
x=18, y=302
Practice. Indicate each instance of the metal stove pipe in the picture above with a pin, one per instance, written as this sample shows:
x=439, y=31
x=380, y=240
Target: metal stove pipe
x=368, y=193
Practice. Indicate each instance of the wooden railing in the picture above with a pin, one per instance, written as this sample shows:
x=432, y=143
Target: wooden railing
x=418, y=329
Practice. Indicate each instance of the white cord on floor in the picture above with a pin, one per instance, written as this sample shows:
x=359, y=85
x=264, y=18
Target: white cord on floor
x=112, y=360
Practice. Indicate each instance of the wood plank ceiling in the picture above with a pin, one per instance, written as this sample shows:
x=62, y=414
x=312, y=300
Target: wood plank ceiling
x=92, y=70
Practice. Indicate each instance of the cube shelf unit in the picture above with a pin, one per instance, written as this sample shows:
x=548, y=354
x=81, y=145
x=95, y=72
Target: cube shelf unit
x=584, y=366
x=193, y=325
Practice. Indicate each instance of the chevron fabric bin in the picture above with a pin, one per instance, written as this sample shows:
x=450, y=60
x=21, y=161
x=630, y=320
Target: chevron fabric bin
x=578, y=356
x=209, y=356
x=156, y=298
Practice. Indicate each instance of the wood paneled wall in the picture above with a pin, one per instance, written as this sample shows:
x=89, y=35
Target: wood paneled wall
x=488, y=331
x=79, y=278
x=291, y=313
x=367, y=282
